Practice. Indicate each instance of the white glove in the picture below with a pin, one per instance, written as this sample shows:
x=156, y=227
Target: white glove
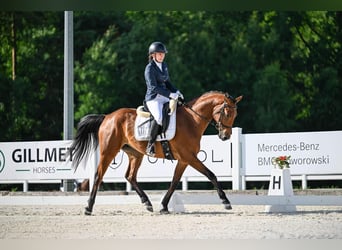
x=173, y=96
x=180, y=95
x=172, y=106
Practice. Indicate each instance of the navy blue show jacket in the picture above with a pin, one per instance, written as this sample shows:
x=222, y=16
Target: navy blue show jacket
x=157, y=81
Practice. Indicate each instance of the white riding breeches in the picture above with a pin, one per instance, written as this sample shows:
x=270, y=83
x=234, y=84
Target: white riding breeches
x=156, y=107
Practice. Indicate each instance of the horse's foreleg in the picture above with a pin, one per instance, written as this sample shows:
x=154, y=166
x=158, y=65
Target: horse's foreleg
x=135, y=160
x=179, y=170
x=199, y=166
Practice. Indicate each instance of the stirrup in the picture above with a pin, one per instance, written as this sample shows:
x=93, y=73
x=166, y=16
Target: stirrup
x=150, y=151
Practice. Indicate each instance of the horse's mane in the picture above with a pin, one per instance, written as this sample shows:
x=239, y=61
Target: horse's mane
x=214, y=92
x=193, y=101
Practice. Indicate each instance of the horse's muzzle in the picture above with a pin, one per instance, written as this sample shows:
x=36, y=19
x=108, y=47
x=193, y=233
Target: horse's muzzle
x=224, y=137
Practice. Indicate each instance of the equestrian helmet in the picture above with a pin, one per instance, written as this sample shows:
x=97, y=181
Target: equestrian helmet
x=157, y=47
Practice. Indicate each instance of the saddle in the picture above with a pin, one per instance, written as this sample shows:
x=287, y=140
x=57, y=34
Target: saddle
x=142, y=126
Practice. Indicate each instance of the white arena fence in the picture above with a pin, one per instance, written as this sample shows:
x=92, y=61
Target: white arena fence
x=243, y=158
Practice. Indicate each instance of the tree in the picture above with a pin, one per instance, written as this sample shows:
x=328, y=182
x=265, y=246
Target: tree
x=34, y=98
x=262, y=55
x=316, y=69
x=273, y=103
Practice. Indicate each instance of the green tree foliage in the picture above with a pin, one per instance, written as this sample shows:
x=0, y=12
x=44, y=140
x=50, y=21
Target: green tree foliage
x=287, y=65
x=317, y=74
x=273, y=104
x=32, y=102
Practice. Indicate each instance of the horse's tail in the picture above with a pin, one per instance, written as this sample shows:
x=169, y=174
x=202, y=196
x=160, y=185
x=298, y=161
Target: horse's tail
x=86, y=138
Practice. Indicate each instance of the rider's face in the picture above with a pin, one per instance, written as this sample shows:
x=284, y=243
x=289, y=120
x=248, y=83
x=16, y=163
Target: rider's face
x=159, y=57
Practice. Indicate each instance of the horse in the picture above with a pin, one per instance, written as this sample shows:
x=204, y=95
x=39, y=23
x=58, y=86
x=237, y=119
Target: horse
x=115, y=131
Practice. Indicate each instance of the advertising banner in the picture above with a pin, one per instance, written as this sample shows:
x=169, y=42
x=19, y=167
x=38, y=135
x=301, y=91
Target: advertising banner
x=45, y=160
x=214, y=154
x=310, y=152
x=37, y=160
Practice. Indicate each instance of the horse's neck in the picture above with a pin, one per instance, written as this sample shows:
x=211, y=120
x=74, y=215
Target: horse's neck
x=203, y=110
x=205, y=105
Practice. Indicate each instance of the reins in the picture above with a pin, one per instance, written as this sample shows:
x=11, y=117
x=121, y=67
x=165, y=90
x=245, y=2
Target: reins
x=216, y=125
x=211, y=122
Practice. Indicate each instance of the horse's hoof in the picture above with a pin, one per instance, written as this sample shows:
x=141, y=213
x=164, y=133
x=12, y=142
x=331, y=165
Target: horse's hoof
x=87, y=211
x=164, y=211
x=228, y=206
x=149, y=208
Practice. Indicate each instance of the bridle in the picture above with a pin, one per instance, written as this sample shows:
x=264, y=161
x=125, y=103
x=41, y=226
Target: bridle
x=217, y=125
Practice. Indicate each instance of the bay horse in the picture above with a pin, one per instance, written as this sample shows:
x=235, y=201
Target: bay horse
x=115, y=131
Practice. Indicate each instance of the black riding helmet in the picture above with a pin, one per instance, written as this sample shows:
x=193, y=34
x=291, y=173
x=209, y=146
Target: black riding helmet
x=157, y=47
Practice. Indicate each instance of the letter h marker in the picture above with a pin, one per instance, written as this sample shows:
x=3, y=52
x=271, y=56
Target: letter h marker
x=276, y=182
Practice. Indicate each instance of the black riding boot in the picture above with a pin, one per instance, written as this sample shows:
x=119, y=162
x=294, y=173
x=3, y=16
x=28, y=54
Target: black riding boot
x=150, y=151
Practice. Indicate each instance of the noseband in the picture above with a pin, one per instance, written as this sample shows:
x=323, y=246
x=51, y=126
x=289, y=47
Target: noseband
x=219, y=125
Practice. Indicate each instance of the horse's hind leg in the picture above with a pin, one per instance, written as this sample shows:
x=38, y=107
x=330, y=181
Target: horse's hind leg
x=91, y=200
x=135, y=159
x=105, y=160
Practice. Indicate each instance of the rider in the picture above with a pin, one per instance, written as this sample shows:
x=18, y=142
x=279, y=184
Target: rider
x=159, y=90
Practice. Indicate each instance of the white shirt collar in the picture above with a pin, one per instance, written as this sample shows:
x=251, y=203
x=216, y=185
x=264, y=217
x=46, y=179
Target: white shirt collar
x=159, y=65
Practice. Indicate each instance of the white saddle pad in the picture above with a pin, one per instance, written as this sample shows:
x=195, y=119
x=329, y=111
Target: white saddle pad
x=142, y=132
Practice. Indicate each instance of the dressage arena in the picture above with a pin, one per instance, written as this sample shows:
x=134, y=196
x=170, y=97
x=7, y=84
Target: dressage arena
x=123, y=217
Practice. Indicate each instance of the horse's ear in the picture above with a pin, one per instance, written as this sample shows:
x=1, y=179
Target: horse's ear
x=237, y=99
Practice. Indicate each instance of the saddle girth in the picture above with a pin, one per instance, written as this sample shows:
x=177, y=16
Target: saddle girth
x=167, y=150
